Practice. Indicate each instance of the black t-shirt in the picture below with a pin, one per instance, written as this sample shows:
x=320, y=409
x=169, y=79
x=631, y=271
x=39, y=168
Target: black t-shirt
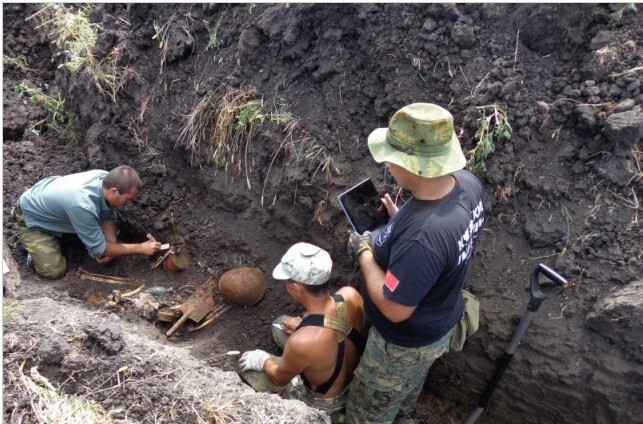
x=425, y=250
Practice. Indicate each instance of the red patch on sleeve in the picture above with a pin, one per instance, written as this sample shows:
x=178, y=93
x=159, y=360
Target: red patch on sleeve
x=391, y=281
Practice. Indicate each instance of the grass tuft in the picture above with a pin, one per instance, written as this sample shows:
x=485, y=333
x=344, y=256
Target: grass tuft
x=222, y=128
x=47, y=405
x=18, y=62
x=75, y=36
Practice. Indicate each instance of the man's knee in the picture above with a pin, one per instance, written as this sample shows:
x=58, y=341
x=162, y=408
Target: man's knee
x=52, y=271
x=370, y=403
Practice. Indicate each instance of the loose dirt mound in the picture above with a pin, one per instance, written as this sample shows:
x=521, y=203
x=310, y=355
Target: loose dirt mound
x=565, y=190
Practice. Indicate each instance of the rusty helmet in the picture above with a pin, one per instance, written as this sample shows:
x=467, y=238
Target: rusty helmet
x=243, y=286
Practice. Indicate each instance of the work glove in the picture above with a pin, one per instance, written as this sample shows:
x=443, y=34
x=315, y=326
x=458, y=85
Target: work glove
x=358, y=243
x=253, y=360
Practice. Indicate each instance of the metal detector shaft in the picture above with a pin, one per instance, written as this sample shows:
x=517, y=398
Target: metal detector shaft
x=537, y=297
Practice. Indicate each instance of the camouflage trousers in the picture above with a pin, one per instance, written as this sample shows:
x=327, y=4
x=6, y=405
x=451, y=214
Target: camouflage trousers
x=389, y=379
x=295, y=389
x=44, y=248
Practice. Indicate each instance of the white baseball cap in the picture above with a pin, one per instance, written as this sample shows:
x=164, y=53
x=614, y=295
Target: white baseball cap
x=304, y=263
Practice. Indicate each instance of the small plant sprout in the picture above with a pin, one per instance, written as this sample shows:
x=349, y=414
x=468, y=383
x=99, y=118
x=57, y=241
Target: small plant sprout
x=213, y=40
x=9, y=311
x=616, y=17
x=493, y=127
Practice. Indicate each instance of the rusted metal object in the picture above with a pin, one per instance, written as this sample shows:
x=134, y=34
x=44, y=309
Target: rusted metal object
x=197, y=307
x=244, y=286
x=211, y=317
x=179, y=260
x=161, y=258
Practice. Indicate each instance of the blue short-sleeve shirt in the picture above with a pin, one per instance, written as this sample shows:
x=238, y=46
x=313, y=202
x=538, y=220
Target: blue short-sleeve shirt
x=70, y=204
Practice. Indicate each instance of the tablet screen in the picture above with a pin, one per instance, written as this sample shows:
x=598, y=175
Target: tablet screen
x=353, y=201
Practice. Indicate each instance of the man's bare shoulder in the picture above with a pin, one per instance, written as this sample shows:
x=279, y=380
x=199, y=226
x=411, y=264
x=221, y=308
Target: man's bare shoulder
x=351, y=296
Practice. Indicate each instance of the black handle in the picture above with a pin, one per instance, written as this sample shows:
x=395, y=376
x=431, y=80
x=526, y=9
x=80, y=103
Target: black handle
x=540, y=292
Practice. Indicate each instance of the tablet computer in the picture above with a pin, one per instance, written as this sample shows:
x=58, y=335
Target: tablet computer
x=354, y=200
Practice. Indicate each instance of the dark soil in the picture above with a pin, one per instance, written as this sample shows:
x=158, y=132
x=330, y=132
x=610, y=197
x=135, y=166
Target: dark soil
x=564, y=191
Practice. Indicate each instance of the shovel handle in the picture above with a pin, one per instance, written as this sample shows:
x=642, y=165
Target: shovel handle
x=540, y=292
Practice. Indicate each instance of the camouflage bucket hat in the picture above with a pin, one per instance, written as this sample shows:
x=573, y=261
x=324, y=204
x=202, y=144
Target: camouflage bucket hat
x=420, y=138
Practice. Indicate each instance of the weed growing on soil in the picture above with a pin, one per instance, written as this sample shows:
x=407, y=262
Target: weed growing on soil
x=61, y=120
x=9, y=311
x=246, y=410
x=493, y=127
x=109, y=78
x=75, y=36
x=616, y=17
x=19, y=62
x=213, y=40
x=319, y=154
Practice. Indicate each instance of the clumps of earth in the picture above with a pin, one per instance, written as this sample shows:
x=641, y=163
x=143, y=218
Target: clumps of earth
x=547, y=103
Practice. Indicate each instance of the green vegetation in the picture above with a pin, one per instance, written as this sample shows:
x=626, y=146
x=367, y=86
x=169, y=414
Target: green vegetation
x=222, y=127
x=9, y=311
x=75, y=35
x=213, y=41
x=493, y=127
x=71, y=31
x=319, y=154
x=19, y=62
x=616, y=17
x=60, y=119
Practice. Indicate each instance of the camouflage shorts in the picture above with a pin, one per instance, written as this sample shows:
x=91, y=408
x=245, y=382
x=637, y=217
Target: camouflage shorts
x=295, y=389
x=44, y=248
x=258, y=380
x=389, y=379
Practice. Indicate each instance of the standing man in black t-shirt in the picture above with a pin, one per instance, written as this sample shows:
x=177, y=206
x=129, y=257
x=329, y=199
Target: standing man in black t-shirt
x=414, y=267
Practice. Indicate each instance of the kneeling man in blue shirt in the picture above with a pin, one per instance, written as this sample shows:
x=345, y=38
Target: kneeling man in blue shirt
x=85, y=204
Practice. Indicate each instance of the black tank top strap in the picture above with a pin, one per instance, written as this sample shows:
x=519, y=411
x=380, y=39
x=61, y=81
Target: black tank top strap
x=317, y=320
x=341, y=325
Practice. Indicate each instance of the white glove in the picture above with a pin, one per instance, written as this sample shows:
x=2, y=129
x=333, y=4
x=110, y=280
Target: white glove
x=253, y=360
